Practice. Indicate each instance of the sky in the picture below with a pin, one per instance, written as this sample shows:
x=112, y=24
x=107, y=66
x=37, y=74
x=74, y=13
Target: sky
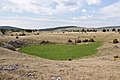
x=39, y=14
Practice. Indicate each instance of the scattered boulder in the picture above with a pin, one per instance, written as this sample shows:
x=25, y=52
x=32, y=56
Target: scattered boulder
x=115, y=46
x=8, y=46
x=17, y=43
x=56, y=78
x=9, y=67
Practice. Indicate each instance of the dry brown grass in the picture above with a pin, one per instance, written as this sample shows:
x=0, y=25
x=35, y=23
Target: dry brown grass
x=101, y=66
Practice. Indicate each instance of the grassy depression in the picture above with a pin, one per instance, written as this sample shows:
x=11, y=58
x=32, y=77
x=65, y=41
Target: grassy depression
x=61, y=51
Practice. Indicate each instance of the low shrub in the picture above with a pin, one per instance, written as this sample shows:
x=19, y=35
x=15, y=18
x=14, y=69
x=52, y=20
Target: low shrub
x=77, y=41
x=69, y=59
x=23, y=34
x=12, y=35
x=91, y=40
x=86, y=40
x=116, y=56
x=115, y=41
x=17, y=37
x=44, y=42
x=69, y=41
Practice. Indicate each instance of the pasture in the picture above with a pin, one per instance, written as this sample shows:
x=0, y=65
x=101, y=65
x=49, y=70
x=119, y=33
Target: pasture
x=61, y=51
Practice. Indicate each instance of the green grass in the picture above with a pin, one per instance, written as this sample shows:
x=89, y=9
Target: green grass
x=61, y=51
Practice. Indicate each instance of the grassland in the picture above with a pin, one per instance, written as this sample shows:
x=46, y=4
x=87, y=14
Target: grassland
x=61, y=51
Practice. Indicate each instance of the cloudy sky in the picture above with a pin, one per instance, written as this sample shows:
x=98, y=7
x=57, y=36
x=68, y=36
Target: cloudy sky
x=53, y=13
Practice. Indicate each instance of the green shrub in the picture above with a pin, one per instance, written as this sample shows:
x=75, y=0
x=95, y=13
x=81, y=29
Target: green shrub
x=44, y=42
x=86, y=40
x=77, y=41
x=116, y=56
x=91, y=40
x=69, y=41
x=115, y=41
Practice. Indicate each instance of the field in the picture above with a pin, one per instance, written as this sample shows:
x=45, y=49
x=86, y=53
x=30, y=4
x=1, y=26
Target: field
x=101, y=65
x=61, y=51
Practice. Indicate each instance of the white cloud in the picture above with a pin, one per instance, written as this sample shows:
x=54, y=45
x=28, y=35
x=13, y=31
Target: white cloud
x=90, y=2
x=109, y=12
x=83, y=10
x=44, y=7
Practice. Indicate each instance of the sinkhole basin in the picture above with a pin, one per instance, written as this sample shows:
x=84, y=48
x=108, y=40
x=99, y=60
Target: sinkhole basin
x=61, y=51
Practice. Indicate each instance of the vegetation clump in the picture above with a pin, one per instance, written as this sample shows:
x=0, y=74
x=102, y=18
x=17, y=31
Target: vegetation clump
x=91, y=40
x=69, y=59
x=86, y=40
x=70, y=41
x=116, y=56
x=44, y=42
x=17, y=37
x=77, y=41
x=115, y=41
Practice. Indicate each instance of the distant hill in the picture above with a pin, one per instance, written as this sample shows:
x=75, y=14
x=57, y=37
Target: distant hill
x=9, y=27
x=108, y=27
x=60, y=28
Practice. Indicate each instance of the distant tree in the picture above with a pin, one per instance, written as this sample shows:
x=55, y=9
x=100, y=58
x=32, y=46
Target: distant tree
x=88, y=30
x=108, y=30
x=83, y=30
x=104, y=30
x=3, y=31
x=113, y=29
x=118, y=30
x=94, y=30
x=28, y=30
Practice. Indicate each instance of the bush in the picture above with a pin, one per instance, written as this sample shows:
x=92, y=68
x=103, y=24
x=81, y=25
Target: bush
x=44, y=42
x=23, y=34
x=69, y=41
x=12, y=35
x=116, y=56
x=91, y=40
x=77, y=41
x=86, y=40
x=115, y=41
x=104, y=30
x=17, y=37
x=69, y=59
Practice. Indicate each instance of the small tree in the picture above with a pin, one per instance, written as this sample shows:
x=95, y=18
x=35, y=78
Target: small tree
x=113, y=29
x=107, y=30
x=118, y=30
x=104, y=30
x=3, y=31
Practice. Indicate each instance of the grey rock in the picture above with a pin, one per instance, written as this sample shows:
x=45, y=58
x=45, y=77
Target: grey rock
x=8, y=46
